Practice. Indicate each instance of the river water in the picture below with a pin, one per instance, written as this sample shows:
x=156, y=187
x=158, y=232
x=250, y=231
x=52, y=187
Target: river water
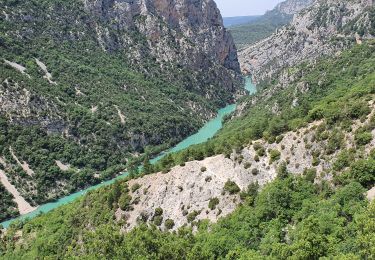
x=205, y=133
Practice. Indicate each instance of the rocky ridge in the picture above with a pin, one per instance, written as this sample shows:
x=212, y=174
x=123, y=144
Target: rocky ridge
x=262, y=27
x=325, y=28
x=184, y=32
x=292, y=7
x=187, y=190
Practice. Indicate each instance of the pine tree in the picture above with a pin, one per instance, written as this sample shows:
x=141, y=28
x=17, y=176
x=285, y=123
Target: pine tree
x=147, y=167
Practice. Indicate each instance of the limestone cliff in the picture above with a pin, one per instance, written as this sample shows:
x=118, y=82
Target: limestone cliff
x=184, y=32
x=292, y=7
x=325, y=28
x=262, y=27
x=188, y=190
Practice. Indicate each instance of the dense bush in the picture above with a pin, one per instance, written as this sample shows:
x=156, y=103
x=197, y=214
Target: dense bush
x=274, y=156
x=213, y=203
x=254, y=171
x=158, y=212
x=192, y=215
x=169, y=223
x=8, y=208
x=135, y=187
x=158, y=220
x=124, y=202
x=231, y=187
x=363, y=137
x=363, y=171
x=344, y=159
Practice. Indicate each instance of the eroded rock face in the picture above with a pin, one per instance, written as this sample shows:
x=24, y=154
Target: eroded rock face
x=325, y=28
x=188, y=189
x=187, y=32
x=291, y=7
x=24, y=107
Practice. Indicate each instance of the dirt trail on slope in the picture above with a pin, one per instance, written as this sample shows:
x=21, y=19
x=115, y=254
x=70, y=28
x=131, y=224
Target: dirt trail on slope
x=121, y=115
x=47, y=75
x=17, y=66
x=25, y=166
x=23, y=206
x=63, y=167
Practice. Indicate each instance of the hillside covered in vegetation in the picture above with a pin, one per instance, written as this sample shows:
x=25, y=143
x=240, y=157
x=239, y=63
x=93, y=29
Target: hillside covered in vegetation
x=88, y=86
x=248, y=33
x=297, y=216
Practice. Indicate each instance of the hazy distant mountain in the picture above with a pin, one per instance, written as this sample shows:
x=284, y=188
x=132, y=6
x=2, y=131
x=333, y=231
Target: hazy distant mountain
x=238, y=20
x=262, y=27
x=325, y=28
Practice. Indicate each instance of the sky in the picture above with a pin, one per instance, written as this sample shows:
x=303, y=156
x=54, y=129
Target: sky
x=231, y=8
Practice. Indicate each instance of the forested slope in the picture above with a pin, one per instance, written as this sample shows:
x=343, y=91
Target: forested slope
x=86, y=86
x=246, y=34
x=301, y=215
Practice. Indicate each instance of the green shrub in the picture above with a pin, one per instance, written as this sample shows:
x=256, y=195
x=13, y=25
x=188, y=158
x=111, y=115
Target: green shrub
x=279, y=139
x=250, y=193
x=142, y=218
x=231, y=187
x=372, y=154
x=282, y=171
x=362, y=137
x=169, y=223
x=358, y=109
x=158, y=212
x=192, y=216
x=124, y=202
x=261, y=152
x=135, y=187
x=213, y=203
x=257, y=146
x=158, y=220
x=315, y=161
x=363, y=171
x=203, y=169
x=343, y=160
x=335, y=141
x=247, y=165
x=310, y=174
x=274, y=156
x=254, y=171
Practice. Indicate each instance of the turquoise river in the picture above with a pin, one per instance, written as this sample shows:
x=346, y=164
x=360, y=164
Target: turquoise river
x=205, y=133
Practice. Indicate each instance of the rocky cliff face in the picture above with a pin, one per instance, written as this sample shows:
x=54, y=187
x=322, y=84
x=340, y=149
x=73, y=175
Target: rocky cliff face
x=189, y=190
x=262, y=27
x=325, y=28
x=184, y=32
x=291, y=7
